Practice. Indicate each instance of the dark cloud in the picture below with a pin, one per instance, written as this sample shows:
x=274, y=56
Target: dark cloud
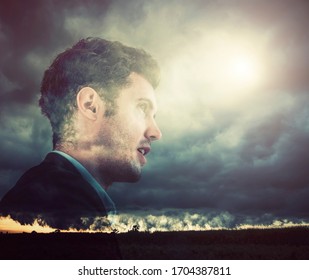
x=229, y=148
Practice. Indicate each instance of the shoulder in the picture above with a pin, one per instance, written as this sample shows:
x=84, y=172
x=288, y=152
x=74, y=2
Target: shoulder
x=53, y=177
x=54, y=187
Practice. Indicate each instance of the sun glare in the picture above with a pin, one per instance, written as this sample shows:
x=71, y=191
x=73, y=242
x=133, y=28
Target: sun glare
x=226, y=65
x=244, y=71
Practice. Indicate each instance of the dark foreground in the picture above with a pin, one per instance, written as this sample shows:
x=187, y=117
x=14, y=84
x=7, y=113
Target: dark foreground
x=289, y=243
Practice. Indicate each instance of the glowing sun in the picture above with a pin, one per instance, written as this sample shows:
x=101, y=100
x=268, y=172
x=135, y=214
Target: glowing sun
x=244, y=70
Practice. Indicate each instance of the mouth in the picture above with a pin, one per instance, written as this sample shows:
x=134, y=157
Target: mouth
x=143, y=150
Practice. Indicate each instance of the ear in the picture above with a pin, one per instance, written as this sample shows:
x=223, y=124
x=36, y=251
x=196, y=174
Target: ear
x=88, y=102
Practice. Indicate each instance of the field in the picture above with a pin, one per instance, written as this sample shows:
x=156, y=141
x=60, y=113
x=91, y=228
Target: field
x=288, y=243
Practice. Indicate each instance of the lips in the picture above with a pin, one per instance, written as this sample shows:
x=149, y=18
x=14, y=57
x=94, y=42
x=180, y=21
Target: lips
x=143, y=150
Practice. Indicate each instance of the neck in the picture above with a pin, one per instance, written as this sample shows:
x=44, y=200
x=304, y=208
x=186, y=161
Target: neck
x=88, y=160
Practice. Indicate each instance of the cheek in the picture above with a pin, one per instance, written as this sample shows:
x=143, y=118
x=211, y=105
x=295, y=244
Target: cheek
x=126, y=131
x=131, y=136
x=134, y=124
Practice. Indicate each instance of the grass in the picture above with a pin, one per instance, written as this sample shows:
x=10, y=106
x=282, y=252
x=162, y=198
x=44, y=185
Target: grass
x=277, y=244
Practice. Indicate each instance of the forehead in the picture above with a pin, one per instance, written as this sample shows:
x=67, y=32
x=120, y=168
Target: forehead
x=138, y=89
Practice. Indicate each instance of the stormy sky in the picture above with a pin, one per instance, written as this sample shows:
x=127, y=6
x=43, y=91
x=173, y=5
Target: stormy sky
x=233, y=103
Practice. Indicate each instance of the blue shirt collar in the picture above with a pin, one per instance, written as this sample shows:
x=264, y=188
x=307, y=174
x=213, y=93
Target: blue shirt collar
x=106, y=200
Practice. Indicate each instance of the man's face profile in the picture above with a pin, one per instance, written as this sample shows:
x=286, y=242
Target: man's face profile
x=123, y=140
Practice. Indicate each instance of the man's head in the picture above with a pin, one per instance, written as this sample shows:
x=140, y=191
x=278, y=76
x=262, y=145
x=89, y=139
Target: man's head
x=94, y=62
x=99, y=97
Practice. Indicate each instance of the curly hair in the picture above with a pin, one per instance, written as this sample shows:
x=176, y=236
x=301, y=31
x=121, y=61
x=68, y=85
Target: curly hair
x=95, y=62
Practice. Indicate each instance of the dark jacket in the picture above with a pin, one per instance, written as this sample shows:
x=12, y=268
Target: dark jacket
x=55, y=193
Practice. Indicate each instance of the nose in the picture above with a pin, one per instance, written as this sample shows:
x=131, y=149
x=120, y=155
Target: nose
x=153, y=132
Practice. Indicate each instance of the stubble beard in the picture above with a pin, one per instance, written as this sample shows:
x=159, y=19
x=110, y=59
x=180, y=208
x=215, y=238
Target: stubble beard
x=118, y=163
x=120, y=170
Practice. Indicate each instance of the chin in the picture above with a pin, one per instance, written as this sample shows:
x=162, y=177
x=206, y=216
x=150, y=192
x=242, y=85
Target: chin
x=133, y=176
x=129, y=173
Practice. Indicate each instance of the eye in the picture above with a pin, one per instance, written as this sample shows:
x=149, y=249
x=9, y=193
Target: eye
x=143, y=107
